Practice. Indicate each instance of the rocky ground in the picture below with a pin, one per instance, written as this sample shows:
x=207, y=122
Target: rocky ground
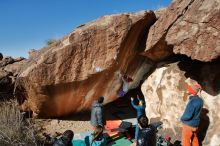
x=53, y=126
x=80, y=122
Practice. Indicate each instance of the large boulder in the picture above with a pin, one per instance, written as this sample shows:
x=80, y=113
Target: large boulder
x=70, y=74
x=9, y=69
x=189, y=27
x=6, y=60
x=16, y=67
x=8, y=82
x=166, y=97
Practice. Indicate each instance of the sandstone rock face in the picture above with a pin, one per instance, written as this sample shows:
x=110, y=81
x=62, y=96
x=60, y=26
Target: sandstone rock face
x=16, y=67
x=6, y=60
x=160, y=12
x=68, y=75
x=187, y=27
x=166, y=97
x=9, y=69
x=32, y=53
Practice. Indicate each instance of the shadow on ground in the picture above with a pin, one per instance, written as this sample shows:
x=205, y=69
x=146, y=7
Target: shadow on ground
x=119, y=109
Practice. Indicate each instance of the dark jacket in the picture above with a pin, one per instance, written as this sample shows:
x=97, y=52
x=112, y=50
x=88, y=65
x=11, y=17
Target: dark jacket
x=97, y=115
x=62, y=142
x=140, y=109
x=147, y=136
x=191, y=115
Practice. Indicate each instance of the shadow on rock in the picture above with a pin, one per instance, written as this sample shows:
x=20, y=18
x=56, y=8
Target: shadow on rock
x=204, y=125
x=207, y=74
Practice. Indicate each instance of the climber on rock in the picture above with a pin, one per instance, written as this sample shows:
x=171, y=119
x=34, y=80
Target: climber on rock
x=140, y=108
x=125, y=87
x=97, y=113
x=191, y=116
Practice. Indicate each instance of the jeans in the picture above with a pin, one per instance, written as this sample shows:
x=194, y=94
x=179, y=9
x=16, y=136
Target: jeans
x=136, y=131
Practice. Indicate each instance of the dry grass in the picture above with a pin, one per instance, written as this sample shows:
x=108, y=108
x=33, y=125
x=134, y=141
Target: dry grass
x=14, y=130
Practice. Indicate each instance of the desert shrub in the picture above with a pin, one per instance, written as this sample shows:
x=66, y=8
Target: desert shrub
x=51, y=41
x=14, y=129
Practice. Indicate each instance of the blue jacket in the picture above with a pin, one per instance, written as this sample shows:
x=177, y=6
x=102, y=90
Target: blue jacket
x=191, y=115
x=140, y=109
x=101, y=142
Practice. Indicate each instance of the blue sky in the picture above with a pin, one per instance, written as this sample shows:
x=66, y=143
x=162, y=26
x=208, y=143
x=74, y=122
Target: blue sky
x=28, y=24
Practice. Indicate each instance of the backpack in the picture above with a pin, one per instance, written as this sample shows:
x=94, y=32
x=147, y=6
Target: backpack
x=161, y=141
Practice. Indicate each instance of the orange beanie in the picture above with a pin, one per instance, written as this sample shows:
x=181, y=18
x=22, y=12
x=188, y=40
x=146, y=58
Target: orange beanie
x=193, y=89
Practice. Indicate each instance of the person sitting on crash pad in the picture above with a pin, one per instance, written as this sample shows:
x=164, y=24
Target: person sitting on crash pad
x=97, y=138
x=65, y=139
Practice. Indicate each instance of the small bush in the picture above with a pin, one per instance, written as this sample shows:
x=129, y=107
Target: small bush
x=51, y=41
x=14, y=130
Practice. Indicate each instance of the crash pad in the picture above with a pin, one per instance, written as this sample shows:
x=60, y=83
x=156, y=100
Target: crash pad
x=112, y=124
x=122, y=141
x=78, y=143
